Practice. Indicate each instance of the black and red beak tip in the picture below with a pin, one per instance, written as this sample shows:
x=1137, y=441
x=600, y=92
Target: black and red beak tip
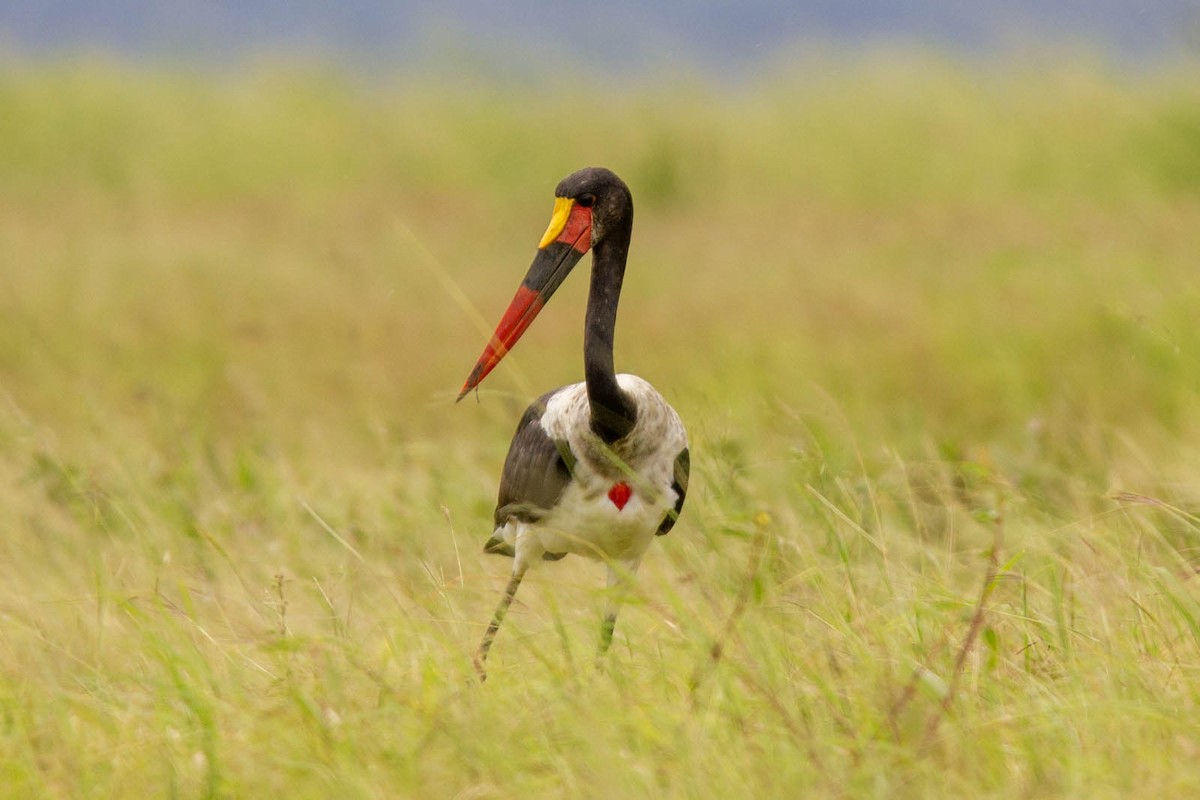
x=473, y=380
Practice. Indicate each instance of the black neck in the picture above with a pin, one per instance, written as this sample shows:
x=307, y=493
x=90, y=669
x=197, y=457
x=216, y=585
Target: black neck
x=613, y=411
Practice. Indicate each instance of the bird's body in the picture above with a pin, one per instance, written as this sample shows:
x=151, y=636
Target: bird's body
x=597, y=468
x=609, y=500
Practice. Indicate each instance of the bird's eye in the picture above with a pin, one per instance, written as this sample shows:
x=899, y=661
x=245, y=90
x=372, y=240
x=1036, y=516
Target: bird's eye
x=586, y=200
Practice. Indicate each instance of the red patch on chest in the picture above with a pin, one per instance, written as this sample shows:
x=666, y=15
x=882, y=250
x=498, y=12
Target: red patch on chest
x=619, y=494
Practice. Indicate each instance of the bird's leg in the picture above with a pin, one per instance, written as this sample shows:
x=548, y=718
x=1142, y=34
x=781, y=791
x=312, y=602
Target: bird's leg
x=620, y=581
x=607, y=626
x=509, y=593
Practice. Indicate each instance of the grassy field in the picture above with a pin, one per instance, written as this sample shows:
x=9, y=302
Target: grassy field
x=935, y=333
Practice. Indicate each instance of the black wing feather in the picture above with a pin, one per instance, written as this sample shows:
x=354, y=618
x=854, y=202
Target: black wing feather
x=536, y=471
x=683, y=469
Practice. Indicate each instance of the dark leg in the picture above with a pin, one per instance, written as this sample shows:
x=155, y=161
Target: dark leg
x=490, y=634
x=620, y=582
x=606, y=633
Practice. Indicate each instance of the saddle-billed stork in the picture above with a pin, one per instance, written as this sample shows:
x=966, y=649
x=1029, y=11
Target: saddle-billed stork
x=597, y=468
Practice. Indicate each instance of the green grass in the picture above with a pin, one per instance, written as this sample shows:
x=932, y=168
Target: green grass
x=933, y=331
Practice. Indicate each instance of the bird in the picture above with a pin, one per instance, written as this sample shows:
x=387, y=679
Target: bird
x=597, y=468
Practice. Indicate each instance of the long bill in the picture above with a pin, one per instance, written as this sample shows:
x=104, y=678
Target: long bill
x=564, y=243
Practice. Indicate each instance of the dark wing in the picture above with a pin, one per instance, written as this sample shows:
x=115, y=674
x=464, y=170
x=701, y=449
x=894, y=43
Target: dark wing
x=536, y=472
x=683, y=468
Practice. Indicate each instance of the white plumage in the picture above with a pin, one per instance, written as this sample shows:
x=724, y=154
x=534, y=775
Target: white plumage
x=586, y=521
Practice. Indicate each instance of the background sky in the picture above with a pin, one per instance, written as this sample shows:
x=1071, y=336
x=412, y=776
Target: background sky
x=619, y=37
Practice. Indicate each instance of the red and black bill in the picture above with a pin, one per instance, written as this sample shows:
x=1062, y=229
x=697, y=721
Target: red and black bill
x=566, y=240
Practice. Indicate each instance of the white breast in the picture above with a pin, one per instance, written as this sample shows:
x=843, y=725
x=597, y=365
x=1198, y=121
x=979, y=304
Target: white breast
x=586, y=521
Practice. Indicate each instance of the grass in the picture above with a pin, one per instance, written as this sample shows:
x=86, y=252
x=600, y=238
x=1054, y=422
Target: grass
x=933, y=331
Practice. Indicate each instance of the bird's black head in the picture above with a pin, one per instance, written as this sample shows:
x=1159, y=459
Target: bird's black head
x=605, y=194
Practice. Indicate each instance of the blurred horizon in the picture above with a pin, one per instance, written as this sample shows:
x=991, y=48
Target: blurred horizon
x=621, y=39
